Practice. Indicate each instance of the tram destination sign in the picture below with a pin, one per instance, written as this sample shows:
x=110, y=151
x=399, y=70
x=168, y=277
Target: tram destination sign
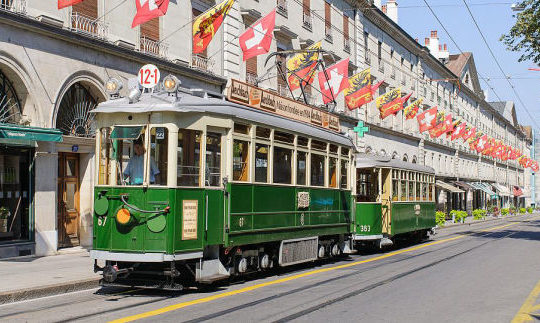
x=269, y=101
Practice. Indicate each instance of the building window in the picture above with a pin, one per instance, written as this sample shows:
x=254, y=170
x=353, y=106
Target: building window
x=251, y=70
x=328, y=21
x=74, y=117
x=346, y=41
x=10, y=107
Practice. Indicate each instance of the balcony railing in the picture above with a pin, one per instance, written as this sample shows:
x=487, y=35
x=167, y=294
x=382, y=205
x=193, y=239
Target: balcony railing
x=328, y=34
x=201, y=62
x=17, y=6
x=153, y=47
x=347, y=45
x=90, y=26
x=251, y=78
x=308, y=20
x=282, y=7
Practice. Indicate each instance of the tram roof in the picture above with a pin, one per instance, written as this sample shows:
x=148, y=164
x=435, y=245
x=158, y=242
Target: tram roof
x=371, y=161
x=161, y=102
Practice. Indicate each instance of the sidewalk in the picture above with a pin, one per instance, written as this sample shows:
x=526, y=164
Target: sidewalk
x=33, y=277
x=470, y=220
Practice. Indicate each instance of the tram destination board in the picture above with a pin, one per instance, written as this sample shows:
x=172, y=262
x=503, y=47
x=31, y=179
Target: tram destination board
x=255, y=97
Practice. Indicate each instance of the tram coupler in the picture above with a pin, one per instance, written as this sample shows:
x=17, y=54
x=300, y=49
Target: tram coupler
x=111, y=272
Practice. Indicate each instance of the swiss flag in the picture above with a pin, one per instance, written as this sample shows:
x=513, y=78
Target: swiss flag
x=67, y=3
x=459, y=131
x=469, y=133
x=427, y=119
x=337, y=81
x=482, y=143
x=256, y=39
x=148, y=10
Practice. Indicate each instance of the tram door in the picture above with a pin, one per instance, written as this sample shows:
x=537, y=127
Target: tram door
x=386, y=199
x=68, y=200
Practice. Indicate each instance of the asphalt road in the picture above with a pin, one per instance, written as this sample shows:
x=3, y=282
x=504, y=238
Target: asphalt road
x=480, y=273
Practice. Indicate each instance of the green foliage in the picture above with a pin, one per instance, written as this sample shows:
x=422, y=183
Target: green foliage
x=522, y=210
x=479, y=214
x=459, y=216
x=530, y=209
x=440, y=218
x=505, y=211
x=523, y=36
x=512, y=210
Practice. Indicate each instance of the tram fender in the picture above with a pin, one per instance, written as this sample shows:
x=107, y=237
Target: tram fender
x=210, y=270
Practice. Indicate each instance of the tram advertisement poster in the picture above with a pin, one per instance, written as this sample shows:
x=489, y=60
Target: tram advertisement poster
x=189, y=219
x=252, y=96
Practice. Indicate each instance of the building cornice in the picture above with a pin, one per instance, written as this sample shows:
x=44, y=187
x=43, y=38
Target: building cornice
x=29, y=24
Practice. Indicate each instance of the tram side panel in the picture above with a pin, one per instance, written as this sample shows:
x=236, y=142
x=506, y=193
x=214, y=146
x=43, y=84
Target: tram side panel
x=409, y=217
x=368, y=220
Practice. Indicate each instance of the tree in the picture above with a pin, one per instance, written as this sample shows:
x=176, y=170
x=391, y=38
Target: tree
x=524, y=36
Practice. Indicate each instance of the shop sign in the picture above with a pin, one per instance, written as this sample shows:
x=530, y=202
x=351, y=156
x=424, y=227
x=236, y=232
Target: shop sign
x=254, y=97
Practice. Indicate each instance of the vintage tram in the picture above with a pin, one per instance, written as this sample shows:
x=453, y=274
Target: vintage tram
x=195, y=188
x=394, y=199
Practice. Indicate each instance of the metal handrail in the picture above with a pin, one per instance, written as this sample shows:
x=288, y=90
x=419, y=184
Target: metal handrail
x=87, y=25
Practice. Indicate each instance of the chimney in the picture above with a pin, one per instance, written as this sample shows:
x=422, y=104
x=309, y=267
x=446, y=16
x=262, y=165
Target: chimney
x=434, y=47
x=433, y=34
x=416, y=40
x=426, y=41
x=440, y=48
x=392, y=8
x=377, y=3
x=445, y=48
x=383, y=8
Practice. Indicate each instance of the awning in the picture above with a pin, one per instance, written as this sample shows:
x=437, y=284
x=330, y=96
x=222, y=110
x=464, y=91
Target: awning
x=465, y=186
x=485, y=188
x=126, y=132
x=448, y=187
x=501, y=189
x=24, y=135
x=517, y=191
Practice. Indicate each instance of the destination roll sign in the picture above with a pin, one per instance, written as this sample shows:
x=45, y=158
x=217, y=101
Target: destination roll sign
x=254, y=97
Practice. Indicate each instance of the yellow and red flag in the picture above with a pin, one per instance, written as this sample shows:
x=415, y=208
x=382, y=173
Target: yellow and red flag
x=207, y=24
x=360, y=90
x=391, y=102
x=300, y=67
x=412, y=109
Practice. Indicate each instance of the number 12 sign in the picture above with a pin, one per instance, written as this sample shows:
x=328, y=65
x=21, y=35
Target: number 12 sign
x=148, y=76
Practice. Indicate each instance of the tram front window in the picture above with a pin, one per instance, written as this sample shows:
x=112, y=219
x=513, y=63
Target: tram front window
x=213, y=159
x=159, y=139
x=367, y=185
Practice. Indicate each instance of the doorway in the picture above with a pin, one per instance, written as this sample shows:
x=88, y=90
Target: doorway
x=68, y=200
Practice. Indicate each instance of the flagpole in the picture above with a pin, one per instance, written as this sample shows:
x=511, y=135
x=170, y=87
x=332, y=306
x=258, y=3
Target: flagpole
x=320, y=61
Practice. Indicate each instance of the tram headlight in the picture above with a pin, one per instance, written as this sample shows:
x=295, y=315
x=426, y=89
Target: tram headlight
x=123, y=216
x=113, y=87
x=171, y=83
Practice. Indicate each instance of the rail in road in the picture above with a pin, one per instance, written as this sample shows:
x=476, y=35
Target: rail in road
x=302, y=292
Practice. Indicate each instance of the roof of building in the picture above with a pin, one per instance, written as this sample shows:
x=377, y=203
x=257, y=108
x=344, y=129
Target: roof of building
x=507, y=110
x=457, y=62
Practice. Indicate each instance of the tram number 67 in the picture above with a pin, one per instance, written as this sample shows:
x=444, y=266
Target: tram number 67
x=365, y=228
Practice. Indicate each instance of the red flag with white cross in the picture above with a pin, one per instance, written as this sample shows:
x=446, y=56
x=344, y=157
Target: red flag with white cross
x=459, y=131
x=148, y=10
x=67, y=3
x=256, y=39
x=338, y=80
x=427, y=119
x=481, y=144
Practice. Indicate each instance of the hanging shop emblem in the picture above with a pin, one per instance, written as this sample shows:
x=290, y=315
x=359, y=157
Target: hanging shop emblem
x=255, y=97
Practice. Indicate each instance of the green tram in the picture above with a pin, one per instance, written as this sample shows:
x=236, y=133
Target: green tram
x=194, y=188
x=394, y=199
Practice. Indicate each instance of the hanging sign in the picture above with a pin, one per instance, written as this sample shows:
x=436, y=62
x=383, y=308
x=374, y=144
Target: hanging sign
x=148, y=76
x=268, y=101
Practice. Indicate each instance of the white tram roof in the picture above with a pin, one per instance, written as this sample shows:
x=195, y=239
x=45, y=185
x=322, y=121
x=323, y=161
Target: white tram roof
x=161, y=102
x=371, y=161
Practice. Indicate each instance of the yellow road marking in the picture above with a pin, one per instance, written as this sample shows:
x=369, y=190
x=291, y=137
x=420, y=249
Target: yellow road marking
x=528, y=307
x=286, y=279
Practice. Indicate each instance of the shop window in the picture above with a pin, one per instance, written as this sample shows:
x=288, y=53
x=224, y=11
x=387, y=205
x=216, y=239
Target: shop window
x=367, y=185
x=317, y=170
x=332, y=172
x=159, y=146
x=261, y=163
x=240, y=160
x=343, y=181
x=282, y=165
x=213, y=159
x=301, y=158
x=14, y=194
x=188, y=158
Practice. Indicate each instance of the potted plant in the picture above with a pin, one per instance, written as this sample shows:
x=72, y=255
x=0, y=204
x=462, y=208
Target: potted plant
x=4, y=215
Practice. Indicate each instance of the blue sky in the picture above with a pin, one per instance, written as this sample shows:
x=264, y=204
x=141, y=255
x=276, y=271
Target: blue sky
x=494, y=18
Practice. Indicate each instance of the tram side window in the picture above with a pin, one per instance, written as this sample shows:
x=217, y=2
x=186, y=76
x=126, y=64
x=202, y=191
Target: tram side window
x=419, y=186
x=104, y=149
x=189, y=156
x=159, y=139
x=261, y=163
x=404, y=186
x=317, y=170
x=343, y=177
x=395, y=185
x=213, y=159
x=425, y=188
x=332, y=172
x=411, y=187
x=367, y=185
x=282, y=165
x=240, y=160
x=301, y=167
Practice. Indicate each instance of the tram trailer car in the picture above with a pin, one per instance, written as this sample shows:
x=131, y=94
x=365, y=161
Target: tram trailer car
x=394, y=200
x=220, y=189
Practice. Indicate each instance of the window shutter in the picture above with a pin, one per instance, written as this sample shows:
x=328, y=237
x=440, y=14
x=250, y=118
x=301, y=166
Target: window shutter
x=327, y=18
x=150, y=29
x=346, y=27
x=251, y=65
x=87, y=8
x=306, y=7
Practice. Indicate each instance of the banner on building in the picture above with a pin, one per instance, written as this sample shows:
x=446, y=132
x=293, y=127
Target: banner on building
x=148, y=10
x=300, y=67
x=207, y=24
x=360, y=90
x=256, y=40
x=333, y=80
x=412, y=109
x=427, y=119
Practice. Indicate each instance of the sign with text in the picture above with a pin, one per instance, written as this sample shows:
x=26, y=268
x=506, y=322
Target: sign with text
x=148, y=76
x=189, y=219
x=254, y=97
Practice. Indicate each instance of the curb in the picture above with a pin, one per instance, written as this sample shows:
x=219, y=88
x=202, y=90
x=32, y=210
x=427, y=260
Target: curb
x=452, y=225
x=48, y=290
